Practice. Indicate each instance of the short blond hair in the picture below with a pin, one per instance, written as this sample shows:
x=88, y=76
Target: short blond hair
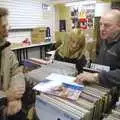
x=3, y=12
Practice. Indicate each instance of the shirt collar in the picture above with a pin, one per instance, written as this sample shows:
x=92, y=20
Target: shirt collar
x=114, y=39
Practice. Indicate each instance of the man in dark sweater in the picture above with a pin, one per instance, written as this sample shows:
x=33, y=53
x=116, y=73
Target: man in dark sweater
x=109, y=54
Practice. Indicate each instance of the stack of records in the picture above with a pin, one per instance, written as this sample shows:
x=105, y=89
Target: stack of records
x=93, y=102
x=63, y=68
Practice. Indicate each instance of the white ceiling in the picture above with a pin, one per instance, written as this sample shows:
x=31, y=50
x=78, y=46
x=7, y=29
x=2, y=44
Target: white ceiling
x=67, y=1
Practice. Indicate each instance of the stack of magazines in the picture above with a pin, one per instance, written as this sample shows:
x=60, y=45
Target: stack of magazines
x=61, y=86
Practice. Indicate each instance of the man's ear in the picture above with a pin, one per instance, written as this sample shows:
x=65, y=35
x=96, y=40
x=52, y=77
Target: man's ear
x=118, y=25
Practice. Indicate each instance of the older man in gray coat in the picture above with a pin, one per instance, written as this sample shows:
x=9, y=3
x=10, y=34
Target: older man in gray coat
x=109, y=54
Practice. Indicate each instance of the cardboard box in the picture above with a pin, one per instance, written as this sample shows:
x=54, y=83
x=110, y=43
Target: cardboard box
x=38, y=35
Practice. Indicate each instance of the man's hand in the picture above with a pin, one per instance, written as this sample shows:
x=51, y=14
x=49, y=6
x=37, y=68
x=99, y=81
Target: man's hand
x=13, y=107
x=15, y=92
x=87, y=77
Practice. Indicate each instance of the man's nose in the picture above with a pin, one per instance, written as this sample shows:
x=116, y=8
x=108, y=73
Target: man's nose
x=8, y=27
x=102, y=27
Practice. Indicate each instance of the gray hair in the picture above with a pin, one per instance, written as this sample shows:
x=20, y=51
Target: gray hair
x=116, y=14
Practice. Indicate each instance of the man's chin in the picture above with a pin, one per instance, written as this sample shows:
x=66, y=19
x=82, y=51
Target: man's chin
x=5, y=36
x=103, y=38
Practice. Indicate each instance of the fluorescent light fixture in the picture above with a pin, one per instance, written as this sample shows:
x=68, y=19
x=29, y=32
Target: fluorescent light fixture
x=101, y=8
x=80, y=3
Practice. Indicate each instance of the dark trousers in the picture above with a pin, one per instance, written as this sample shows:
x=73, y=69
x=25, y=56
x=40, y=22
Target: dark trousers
x=18, y=116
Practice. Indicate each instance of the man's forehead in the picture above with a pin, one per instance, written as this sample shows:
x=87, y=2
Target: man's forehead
x=110, y=17
x=107, y=19
x=3, y=20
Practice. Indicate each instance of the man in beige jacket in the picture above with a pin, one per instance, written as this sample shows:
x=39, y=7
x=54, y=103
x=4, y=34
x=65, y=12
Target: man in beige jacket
x=12, y=82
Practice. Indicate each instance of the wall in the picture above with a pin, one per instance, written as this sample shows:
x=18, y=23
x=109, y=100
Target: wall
x=62, y=13
x=27, y=14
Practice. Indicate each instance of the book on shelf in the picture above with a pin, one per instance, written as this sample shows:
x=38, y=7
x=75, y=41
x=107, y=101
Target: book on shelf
x=61, y=86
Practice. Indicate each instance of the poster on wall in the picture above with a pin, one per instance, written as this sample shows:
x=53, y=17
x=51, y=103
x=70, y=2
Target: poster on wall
x=83, y=16
x=46, y=11
x=83, y=23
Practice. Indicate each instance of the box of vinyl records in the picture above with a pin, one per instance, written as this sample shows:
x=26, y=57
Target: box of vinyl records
x=48, y=108
x=38, y=35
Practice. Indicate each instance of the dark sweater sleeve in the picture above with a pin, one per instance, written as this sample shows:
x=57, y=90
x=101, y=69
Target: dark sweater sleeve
x=80, y=64
x=110, y=79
